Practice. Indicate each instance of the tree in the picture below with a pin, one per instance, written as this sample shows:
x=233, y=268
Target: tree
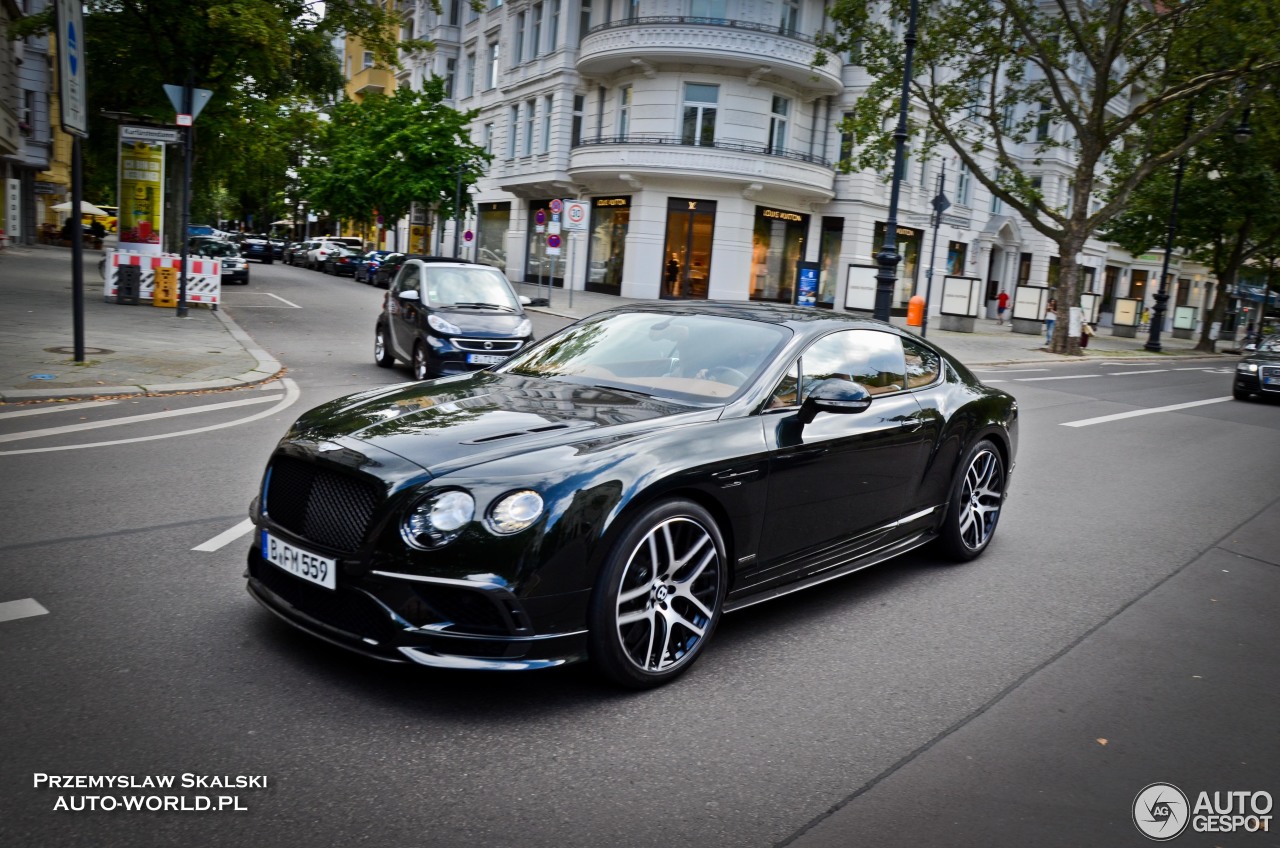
x=1228, y=215
x=379, y=156
x=993, y=75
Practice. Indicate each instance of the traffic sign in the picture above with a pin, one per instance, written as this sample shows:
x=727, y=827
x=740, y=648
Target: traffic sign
x=554, y=227
x=557, y=206
x=468, y=236
x=575, y=215
x=71, y=77
x=540, y=216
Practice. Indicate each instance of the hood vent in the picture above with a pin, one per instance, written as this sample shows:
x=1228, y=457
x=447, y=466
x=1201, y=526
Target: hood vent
x=563, y=425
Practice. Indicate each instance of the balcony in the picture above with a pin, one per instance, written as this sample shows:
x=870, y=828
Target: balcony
x=744, y=164
x=371, y=80
x=764, y=52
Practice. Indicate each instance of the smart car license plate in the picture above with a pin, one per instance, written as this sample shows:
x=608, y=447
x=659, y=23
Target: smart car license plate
x=319, y=570
x=484, y=359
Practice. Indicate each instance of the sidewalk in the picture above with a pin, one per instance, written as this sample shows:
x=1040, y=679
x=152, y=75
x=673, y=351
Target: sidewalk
x=137, y=349
x=128, y=349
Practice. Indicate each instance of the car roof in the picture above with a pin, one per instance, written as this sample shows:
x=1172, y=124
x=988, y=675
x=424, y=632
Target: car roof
x=800, y=318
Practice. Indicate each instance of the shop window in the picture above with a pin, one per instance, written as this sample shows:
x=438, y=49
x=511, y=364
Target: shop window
x=777, y=244
x=606, y=251
x=493, y=220
x=686, y=268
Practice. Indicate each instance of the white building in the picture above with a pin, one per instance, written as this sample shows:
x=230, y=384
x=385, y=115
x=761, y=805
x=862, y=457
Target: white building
x=706, y=143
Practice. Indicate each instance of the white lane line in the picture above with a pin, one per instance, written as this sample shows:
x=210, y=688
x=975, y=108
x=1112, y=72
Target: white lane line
x=1127, y=373
x=992, y=382
x=131, y=419
x=1103, y=419
x=25, y=608
x=1006, y=370
x=283, y=301
x=226, y=537
x=1060, y=377
x=291, y=395
x=59, y=407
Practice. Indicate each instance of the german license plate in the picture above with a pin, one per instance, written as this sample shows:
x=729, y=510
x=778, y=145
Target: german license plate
x=319, y=570
x=484, y=359
x=1271, y=381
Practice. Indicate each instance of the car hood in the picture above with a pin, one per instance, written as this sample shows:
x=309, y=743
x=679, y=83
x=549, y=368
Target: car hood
x=482, y=322
x=443, y=425
x=1263, y=357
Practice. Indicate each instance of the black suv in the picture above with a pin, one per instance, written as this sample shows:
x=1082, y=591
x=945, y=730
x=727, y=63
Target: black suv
x=450, y=317
x=259, y=248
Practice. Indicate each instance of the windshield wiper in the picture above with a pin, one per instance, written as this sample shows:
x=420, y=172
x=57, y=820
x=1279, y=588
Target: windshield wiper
x=483, y=306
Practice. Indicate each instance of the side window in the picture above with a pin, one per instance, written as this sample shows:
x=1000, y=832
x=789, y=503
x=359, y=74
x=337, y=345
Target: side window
x=869, y=357
x=923, y=364
x=785, y=394
x=407, y=279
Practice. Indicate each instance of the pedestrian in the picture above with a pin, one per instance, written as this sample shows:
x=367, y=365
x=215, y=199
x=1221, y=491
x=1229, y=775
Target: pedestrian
x=1002, y=303
x=1050, y=318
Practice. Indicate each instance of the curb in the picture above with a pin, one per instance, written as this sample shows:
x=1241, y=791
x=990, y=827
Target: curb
x=267, y=368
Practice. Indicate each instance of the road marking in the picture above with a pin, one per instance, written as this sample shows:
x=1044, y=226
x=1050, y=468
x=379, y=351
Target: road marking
x=25, y=608
x=282, y=300
x=1103, y=419
x=131, y=419
x=290, y=397
x=1060, y=377
x=61, y=407
x=226, y=537
x=992, y=382
x=1127, y=373
x=1006, y=370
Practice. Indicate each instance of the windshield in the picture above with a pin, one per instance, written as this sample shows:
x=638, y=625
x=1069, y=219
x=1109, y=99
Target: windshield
x=468, y=288
x=1271, y=344
x=688, y=358
x=215, y=248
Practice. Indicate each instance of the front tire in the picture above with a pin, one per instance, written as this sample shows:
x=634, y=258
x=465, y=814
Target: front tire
x=977, y=496
x=421, y=363
x=659, y=596
x=382, y=354
x=1239, y=394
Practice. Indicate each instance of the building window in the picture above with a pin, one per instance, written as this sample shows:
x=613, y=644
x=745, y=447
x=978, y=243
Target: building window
x=512, y=129
x=535, y=41
x=624, y=112
x=579, y=106
x=487, y=138
x=548, y=103
x=472, y=14
x=491, y=77
x=517, y=42
x=553, y=26
x=450, y=72
x=367, y=60
x=790, y=16
x=451, y=16
x=846, y=141
x=1042, y=126
x=469, y=76
x=584, y=20
x=778, y=124
x=964, y=186
x=699, y=126
x=530, y=116
x=710, y=11
x=633, y=9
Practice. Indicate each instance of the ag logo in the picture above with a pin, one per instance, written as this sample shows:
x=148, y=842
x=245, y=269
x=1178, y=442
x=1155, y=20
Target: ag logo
x=1161, y=811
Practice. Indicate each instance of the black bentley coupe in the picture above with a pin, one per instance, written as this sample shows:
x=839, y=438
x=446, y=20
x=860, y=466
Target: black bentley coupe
x=608, y=493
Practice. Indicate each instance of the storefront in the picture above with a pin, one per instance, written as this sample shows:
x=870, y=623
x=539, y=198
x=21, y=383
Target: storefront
x=830, y=244
x=493, y=220
x=606, y=251
x=686, y=267
x=540, y=266
x=909, y=241
x=777, y=244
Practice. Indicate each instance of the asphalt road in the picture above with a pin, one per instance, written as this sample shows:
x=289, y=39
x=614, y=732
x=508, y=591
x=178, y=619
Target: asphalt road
x=153, y=660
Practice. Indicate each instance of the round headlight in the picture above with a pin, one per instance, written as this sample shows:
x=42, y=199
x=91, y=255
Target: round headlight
x=515, y=511
x=440, y=325
x=438, y=519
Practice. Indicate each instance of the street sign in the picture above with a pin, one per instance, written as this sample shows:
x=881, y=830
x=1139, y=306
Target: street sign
x=199, y=97
x=554, y=227
x=553, y=245
x=71, y=87
x=540, y=217
x=557, y=206
x=575, y=215
x=468, y=235
x=155, y=135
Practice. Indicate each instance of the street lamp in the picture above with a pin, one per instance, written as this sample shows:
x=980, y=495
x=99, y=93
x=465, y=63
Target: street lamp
x=1161, y=297
x=888, y=257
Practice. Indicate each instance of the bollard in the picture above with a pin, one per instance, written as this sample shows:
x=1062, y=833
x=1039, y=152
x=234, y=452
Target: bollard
x=915, y=311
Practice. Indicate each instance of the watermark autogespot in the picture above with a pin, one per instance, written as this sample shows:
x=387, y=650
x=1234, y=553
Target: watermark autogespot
x=1162, y=811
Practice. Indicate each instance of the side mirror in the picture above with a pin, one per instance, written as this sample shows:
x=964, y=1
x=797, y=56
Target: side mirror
x=525, y=301
x=409, y=294
x=1250, y=347
x=840, y=397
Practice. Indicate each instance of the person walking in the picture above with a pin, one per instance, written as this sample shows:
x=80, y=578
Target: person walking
x=1002, y=303
x=1050, y=319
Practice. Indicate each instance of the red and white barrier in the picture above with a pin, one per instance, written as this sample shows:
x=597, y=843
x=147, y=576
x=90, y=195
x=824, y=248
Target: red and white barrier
x=204, y=276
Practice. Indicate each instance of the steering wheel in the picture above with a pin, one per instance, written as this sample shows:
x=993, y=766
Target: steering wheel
x=725, y=374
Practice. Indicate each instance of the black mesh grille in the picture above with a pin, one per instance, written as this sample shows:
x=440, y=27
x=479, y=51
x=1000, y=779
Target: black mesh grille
x=324, y=506
x=345, y=609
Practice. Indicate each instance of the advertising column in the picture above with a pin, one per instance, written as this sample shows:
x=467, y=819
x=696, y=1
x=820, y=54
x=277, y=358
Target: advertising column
x=141, y=194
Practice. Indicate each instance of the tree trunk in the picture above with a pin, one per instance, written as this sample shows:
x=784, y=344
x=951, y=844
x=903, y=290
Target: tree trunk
x=1067, y=293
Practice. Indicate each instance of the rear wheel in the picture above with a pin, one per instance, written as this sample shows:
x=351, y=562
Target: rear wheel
x=659, y=597
x=977, y=496
x=381, y=349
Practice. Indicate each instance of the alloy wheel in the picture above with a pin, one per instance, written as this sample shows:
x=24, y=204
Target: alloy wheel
x=981, y=495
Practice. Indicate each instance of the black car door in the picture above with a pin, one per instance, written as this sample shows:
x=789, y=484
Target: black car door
x=838, y=484
x=403, y=315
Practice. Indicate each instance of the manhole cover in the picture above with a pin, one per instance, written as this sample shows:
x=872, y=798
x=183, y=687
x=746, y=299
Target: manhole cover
x=71, y=351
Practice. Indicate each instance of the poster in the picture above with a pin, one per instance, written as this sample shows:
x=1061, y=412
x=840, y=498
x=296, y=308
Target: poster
x=141, y=196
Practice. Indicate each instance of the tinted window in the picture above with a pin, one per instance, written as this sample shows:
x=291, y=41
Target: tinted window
x=923, y=364
x=871, y=358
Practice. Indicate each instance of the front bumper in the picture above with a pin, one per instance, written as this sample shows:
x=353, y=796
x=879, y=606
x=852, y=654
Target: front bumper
x=238, y=276
x=1265, y=381
x=407, y=618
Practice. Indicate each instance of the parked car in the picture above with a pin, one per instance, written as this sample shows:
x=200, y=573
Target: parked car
x=318, y=252
x=369, y=264
x=609, y=493
x=277, y=248
x=296, y=253
x=235, y=269
x=1258, y=372
x=257, y=247
x=354, y=242
x=341, y=262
